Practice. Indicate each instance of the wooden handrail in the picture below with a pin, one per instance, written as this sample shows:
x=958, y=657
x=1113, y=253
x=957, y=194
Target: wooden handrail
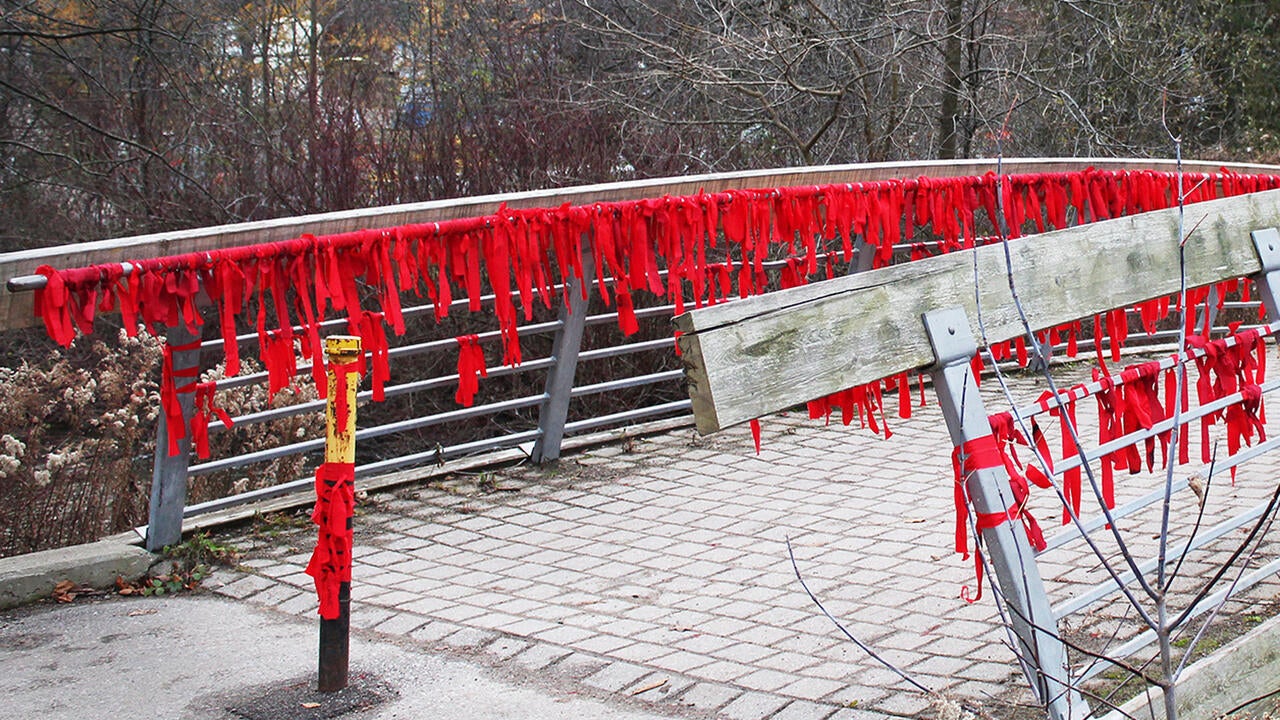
x=766, y=353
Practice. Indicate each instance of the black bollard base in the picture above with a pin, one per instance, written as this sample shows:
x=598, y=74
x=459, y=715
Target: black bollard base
x=335, y=645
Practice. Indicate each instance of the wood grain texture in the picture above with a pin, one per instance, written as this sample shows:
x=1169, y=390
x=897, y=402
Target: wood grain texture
x=756, y=356
x=16, y=309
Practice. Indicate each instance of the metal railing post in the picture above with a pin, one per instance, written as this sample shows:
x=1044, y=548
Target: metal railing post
x=1039, y=648
x=169, y=474
x=564, y=366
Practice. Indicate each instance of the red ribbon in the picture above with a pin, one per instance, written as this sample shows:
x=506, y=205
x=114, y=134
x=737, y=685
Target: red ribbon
x=175, y=424
x=987, y=453
x=205, y=407
x=470, y=368
x=330, y=563
x=341, y=404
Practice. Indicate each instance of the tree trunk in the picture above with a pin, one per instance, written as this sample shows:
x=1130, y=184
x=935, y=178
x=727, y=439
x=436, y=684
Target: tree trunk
x=951, y=72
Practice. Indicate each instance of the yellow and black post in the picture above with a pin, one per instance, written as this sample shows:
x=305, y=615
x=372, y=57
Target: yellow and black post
x=336, y=483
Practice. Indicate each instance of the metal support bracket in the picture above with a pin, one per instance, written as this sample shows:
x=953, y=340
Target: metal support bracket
x=1039, y=648
x=554, y=412
x=1267, y=243
x=169, y=474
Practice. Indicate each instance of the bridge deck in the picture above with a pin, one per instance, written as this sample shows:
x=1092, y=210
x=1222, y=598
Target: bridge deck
x=666, y=561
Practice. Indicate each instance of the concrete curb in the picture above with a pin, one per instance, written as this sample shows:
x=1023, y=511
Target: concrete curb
x=30, y=577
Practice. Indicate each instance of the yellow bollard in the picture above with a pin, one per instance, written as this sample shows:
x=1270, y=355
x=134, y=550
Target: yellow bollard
x=342, y=352
x=340, y=442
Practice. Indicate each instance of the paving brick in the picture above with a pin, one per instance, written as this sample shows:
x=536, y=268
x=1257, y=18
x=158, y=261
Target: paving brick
x=788, y=661
x=564, y=635
x=680, y=662
x=505, y=648
x=246, y=586
x=804, y=710
x=901, y=703
x=765, y=680
x=469, y=638
x=617, y=676
x=580, y=666
x=401, y=623
x=754, y=706
x=708, y=696
x=811, y=688
x=458, y=613
x=722, y=671
x=433, y=632
x=601, y=644
x=856, y=714
x=540, y=656
x=303, y=604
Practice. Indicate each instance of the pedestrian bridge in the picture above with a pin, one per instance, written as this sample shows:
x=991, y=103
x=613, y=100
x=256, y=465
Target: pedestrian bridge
x=502, y=305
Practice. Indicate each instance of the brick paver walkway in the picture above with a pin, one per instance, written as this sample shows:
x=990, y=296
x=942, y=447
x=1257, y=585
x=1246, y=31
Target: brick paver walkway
x=656, y=571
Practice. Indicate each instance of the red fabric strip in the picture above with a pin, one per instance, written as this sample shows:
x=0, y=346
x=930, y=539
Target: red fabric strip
x=341, y=406
x=205, y=409
x=330, y=563
x=471, y=368
x=171, y=407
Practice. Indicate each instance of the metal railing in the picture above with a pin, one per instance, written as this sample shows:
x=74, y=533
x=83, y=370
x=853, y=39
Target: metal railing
x=546, y=397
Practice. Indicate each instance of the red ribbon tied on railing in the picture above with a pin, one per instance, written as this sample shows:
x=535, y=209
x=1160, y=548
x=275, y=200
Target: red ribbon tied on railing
x=330, y=563
x=470, y=369
x=175, y=425
x=987, y=453
x=205, y=408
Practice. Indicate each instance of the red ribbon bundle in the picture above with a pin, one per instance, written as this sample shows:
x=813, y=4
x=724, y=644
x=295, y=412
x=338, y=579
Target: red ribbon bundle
x=205, y=407
x=985, y=453
x=524, y=252
x=470, y=368
x=175, y=425
x=330, y=563
x=1225, y=370
x=526, y=248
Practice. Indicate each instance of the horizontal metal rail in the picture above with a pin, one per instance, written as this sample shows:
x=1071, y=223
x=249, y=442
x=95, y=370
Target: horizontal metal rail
x=1208, y=603
x=1243, y=456
x=389, y=391
x=376, y=431
x=636, y=381
x=1187, y=417
x=1064, y=396
x=1073, y=531
x=442, y=454
x=398, y=352
x=1104, y=589
x=628, y=416
x=616, y=350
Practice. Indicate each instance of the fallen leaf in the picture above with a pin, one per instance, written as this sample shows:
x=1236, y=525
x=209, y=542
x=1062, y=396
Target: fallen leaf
x=66, y=591
x=142, y=611
x=310, y=705
x=650, y=686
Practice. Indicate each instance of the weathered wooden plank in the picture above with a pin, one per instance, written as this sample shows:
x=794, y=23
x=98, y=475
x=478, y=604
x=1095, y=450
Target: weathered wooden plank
x=763, y=354
x=15, y=308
